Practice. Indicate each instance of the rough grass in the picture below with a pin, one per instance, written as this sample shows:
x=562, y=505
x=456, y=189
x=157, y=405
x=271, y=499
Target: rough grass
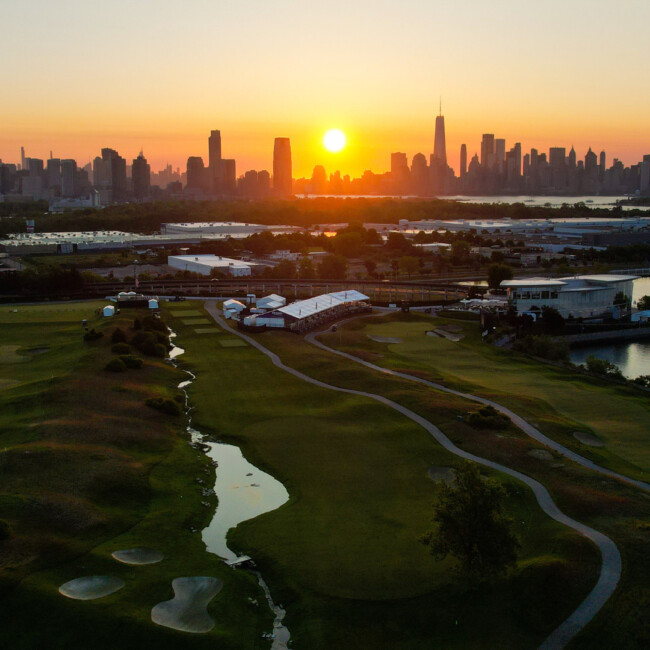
x=342, y=555
x=85, y=469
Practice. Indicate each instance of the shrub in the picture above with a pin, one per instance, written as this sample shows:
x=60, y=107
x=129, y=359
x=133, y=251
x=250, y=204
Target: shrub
x=118, y=336
x=545, y=347
x=6, y=532
x=643, y=380
x=164, y=404
x=92, y=335
x=488, y=417
x=121, y=348
x=115, y=365
x=153, y=323
x=131, y=361
x=603, y=367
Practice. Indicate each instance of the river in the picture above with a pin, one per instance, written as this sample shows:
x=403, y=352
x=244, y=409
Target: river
x=631, y=357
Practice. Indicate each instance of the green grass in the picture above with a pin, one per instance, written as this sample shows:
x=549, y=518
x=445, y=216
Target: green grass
x=343, y=554
x=85, y=469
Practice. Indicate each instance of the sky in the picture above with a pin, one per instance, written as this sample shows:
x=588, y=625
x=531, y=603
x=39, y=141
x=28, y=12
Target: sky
x=159, y=75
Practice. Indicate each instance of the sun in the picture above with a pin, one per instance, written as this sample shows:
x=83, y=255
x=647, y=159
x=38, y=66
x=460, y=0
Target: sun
x=334, y=140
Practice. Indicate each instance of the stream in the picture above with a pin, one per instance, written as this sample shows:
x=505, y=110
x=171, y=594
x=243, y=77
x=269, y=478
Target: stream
x=244, y=492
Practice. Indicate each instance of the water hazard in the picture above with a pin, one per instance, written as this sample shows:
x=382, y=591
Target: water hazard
x=244, y=492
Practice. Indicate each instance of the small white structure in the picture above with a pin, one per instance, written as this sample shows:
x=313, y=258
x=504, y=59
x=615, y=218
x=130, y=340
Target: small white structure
x=272, y=301
x=153, y=303
x=204, y=264
x=232, y=308
x=109, y=310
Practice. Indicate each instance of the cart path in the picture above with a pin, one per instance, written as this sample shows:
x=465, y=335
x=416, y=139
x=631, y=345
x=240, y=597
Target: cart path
x=517, y=420
x=610, y=570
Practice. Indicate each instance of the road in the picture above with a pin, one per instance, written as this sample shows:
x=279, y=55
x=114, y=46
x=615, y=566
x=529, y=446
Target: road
x=610, y=570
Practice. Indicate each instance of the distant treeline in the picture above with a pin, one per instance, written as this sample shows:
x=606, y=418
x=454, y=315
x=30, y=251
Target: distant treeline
x=148, y=217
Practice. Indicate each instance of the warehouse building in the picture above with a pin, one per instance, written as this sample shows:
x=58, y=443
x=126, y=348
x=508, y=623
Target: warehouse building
x=204, y=264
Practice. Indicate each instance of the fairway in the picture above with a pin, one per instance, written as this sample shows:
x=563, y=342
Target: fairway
x=617, y=415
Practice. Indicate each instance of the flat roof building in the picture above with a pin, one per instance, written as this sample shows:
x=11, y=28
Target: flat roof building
x=205, y=264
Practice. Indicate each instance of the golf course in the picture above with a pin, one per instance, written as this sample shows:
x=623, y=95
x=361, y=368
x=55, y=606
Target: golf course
x=88, y=469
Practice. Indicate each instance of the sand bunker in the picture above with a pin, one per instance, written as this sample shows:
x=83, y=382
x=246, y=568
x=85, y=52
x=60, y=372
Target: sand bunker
x=35, y=351
x=385, y=339
x=588, y=439
x=441, y=474
x=448, y=335
x=186, y=611
x=541, y=454
x=8, y=354
x=91, y=587
x=138, y=555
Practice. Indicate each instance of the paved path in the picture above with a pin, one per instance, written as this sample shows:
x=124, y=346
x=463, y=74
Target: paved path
x=610, y=571
x=517, y=420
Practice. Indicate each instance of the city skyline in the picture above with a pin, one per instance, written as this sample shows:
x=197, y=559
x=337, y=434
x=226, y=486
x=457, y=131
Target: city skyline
x=167, y=77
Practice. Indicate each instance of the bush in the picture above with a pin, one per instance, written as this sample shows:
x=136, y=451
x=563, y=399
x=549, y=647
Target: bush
x=115, y=365
x=153, y=344
x=545, y=347
x=164, y=404
x=118, y=336
x=121, y=348
x=488, y=418
x=642, y=380
x=131, y=361
x=603, y=367
x=6, y=532
x=92, y=335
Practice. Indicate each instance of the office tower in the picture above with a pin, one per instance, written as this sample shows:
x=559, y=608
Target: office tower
x=644, y=180
x=228, y=176
x=68, y=178
x=263, y=183
x=282, y=179
x=603, y=166
x=487, y=150
x=214, y=161
x=500, y=154
x=463, y=160
x=319, y=180
x=420, y=174
x=399, y=172
x=527, y=165
x=23, y=161
x=591, y=164
x=35, y=166
x=557, y=157
x=572, y=158
x=141, y=176
x=196, y=173
x=439, y=144
x=115, y=170
x=54, y=174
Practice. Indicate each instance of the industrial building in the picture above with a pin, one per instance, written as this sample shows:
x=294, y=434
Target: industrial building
x=205, y=264
x=304, y=315
x=581, y=296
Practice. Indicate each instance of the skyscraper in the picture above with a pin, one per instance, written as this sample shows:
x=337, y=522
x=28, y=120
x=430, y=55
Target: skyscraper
x=196, y=173
x=115, y=165
x=23, y=162
x=399, y=172
x=439, y=144
x=68, y=178
x=500, y=154
x=141, y=176
x=214, y=161
x=463, y=160
x=228, y=176
x=282, y=173
x=487, y=150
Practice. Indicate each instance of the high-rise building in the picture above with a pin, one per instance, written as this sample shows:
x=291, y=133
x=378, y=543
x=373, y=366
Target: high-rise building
x=463, y=160
x=399, y=172
x=319, y=180
x=591, y=164
x=196, y=174
x=68, y=178
x=644, y=181
x=487, y=150
x=141, y=177
x=572, y=158
x=214, y=161
x=282, y=178
x=603, y=166
x=228, y=176
x=115, y=168
x=439, y=144
x=500, y=154
x=54, y=174
x=420, y=174
x=23, y=161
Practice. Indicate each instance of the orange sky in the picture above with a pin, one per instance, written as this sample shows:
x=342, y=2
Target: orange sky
x=160, y=76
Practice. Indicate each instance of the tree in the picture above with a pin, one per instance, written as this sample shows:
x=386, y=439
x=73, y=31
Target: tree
x=285, y=269
x=552, y=320
x=644, y=303
x=621, y=300
x=471, y=525
x=348, y=244
x=333, y=267
x=371, y=266
x=409, y=265
x=306, y=270
x=497, y=273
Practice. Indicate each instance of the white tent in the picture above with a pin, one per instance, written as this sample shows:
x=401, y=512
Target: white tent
x=233, y=305
x=109, y=310
x=153, y=303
